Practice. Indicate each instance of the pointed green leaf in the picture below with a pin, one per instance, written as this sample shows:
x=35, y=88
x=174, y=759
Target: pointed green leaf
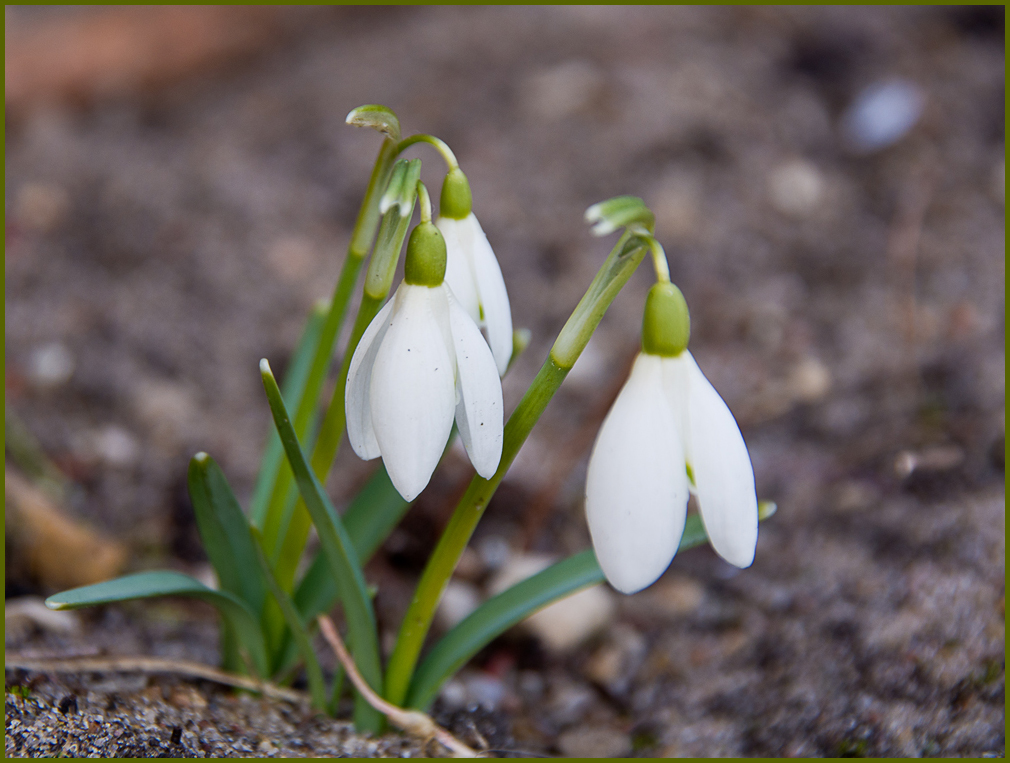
x=293, y=388
x=225, y=531
x=340, y=554
x=147, y=585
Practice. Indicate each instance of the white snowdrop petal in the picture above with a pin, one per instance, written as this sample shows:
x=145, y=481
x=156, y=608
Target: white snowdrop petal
x=491, y=291
x=636, y=496
x=723, y=475
x=359, y=378
x=479, y=408
x=413, y=390
x=459, y=267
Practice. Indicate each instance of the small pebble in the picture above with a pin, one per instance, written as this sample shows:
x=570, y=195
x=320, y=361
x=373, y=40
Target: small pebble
x=594, y=742
x=796, y=188
x=51, y=365
x=566, y=623
x=458, y=601
x=116, y=447
x=809, y=380
x=882, y=114
x=41, y=206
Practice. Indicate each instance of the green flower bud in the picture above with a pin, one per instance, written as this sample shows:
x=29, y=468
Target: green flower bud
x=425, y=261
x=666, y=326
x=456, y=201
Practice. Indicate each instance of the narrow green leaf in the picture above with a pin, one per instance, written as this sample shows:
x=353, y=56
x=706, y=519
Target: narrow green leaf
x=292, y=389
x=225, y=531
x=147, y=585
x=340, y=554
x=301, y=637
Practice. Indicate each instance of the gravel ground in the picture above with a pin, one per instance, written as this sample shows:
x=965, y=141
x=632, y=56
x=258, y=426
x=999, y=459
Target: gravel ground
x=849, y=306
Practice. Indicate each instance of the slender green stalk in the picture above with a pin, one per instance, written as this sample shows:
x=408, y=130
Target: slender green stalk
x=614, y=273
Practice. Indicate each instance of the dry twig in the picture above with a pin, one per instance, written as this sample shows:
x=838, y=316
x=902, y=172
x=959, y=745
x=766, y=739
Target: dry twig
x=150, y=665
x=412, y=721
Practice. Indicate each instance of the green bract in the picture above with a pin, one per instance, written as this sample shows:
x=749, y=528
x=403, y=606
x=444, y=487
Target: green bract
x=425, y=261
x=666, y=325
x=456, y=200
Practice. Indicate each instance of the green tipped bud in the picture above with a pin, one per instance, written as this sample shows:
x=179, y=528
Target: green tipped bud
x=456, y=200
x=377, y=117
x=619, y=212
x=425, y=261
x=666, y=326
x=402, y=187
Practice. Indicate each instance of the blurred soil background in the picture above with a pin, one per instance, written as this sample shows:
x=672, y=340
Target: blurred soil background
x=180, y=187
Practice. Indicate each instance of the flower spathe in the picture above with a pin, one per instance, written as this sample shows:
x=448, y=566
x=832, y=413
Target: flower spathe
x=421, y=363
x=666, y=419
x=473, y=274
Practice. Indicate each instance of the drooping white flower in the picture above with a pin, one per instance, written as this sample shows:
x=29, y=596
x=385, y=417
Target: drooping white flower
x=473, y=274
x=421, y=363
x=472, y=270
x=668, y=434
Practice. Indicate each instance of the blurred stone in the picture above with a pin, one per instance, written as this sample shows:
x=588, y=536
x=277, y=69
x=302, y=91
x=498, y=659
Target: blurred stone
x=168, y=408
x=670, y=597
x=484, y=690
x=116, y=447
x=566, y=623
x=568, y=702
x=51, y=365
x=41, y=206
x=563, y=90
x=458, y=601
x=882, y=114
x=939, y=458
x=494, y=551
x=594, y=742
x=21, y=614
x=999, y=180
x=796, y=188
x=453, y=694
x=613, y=665
x=809, y=380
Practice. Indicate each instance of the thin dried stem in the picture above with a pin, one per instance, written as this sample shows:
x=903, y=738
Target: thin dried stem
x=412, y=721
x=150, y=665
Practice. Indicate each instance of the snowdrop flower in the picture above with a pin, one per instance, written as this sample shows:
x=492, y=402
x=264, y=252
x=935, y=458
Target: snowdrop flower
x=471, y=269
x=668, y=434
x=421, y=363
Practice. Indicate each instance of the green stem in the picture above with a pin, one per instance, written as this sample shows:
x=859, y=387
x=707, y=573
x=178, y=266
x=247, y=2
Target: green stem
x=616, y=271
x=440, y=145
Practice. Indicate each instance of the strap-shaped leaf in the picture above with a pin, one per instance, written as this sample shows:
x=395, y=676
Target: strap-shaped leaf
x=301, y=637
x=147, y=585
x=292, y=388
x=225, y=531
x=340, y=555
